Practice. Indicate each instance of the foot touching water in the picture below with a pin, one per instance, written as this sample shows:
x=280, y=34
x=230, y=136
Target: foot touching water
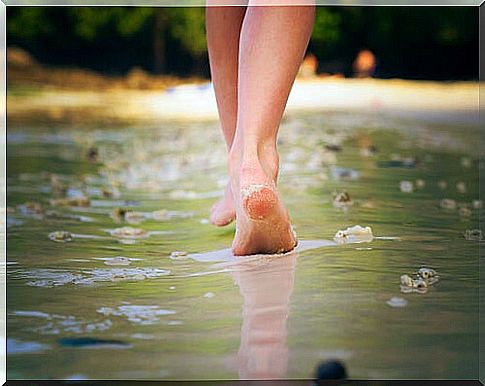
x=262, y=221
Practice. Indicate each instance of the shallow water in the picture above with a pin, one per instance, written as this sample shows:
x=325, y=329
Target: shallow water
x=207, y=315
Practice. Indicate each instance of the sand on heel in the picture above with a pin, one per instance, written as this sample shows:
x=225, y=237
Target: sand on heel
x=258, y=201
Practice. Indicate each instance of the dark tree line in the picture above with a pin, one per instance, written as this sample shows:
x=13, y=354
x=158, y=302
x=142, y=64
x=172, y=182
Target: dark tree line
x=409, y=42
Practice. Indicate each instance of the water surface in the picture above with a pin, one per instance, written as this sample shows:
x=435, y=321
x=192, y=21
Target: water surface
x=74, y=306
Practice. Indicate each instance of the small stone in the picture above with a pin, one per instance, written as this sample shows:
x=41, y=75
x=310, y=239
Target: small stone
x=466, y=162
x=333, y=148
x=473, y=235
x=406, y=280
x=355, y=234
x=178, y=255
x=342, y=200
x=110, y=193
x=419, y=283
x=209, y=295
x=426, y=273
x=420, y=184
x=461, y=187
x=92, y=154
x=477, y=204
x=465, y=212
x=204, y=221
x=397, y=302
x=442, y=184
x=406, y=186
x=60, y=236
x=128, y=233
x=448, y=203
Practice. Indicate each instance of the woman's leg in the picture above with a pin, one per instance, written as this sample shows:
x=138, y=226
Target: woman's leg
x=223, y=25
x=272, y=45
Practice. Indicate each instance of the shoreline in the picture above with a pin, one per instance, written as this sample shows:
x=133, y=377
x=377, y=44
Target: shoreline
x=437, y=101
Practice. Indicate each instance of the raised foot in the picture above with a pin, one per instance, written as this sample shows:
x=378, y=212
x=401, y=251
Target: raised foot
x=223, y=211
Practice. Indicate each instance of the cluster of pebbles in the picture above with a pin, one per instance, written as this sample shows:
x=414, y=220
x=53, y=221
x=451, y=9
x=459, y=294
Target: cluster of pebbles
x=420, y=282
x=417, y=283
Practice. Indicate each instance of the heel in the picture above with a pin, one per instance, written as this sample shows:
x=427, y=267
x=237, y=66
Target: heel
x=258, y=201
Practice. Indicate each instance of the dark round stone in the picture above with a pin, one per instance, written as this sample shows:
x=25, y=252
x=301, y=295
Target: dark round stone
x=331, y=370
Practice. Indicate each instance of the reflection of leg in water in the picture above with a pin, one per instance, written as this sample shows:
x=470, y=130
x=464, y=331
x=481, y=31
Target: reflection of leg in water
x=263, y=353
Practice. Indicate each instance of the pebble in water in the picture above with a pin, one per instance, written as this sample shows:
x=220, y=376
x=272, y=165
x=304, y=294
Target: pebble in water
x=342, y=200
x=355, y=234
x=473, y=235
x=406, y=280
x=92, y=154
x=448, y=203
x=129, y=233
x=406, y=186
x=110, y=193
x=397, y=302
x=461, y=187
x=178, y=255
x=466, y=162
x=417, y=285
x=477, y=204
x=442, y=184
x=424, y=278
x=333, y=148
x=61, y=236
x=420, y=184
x=426, y=273
x=118, y=214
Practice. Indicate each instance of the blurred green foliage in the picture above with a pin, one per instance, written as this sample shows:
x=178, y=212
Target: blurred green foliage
x=409, y=42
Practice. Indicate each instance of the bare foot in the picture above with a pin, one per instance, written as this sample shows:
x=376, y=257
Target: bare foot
x=262, y=221
x=223, y=211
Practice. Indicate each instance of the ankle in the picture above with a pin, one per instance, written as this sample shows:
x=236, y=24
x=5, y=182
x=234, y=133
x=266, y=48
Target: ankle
x=252, y=156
